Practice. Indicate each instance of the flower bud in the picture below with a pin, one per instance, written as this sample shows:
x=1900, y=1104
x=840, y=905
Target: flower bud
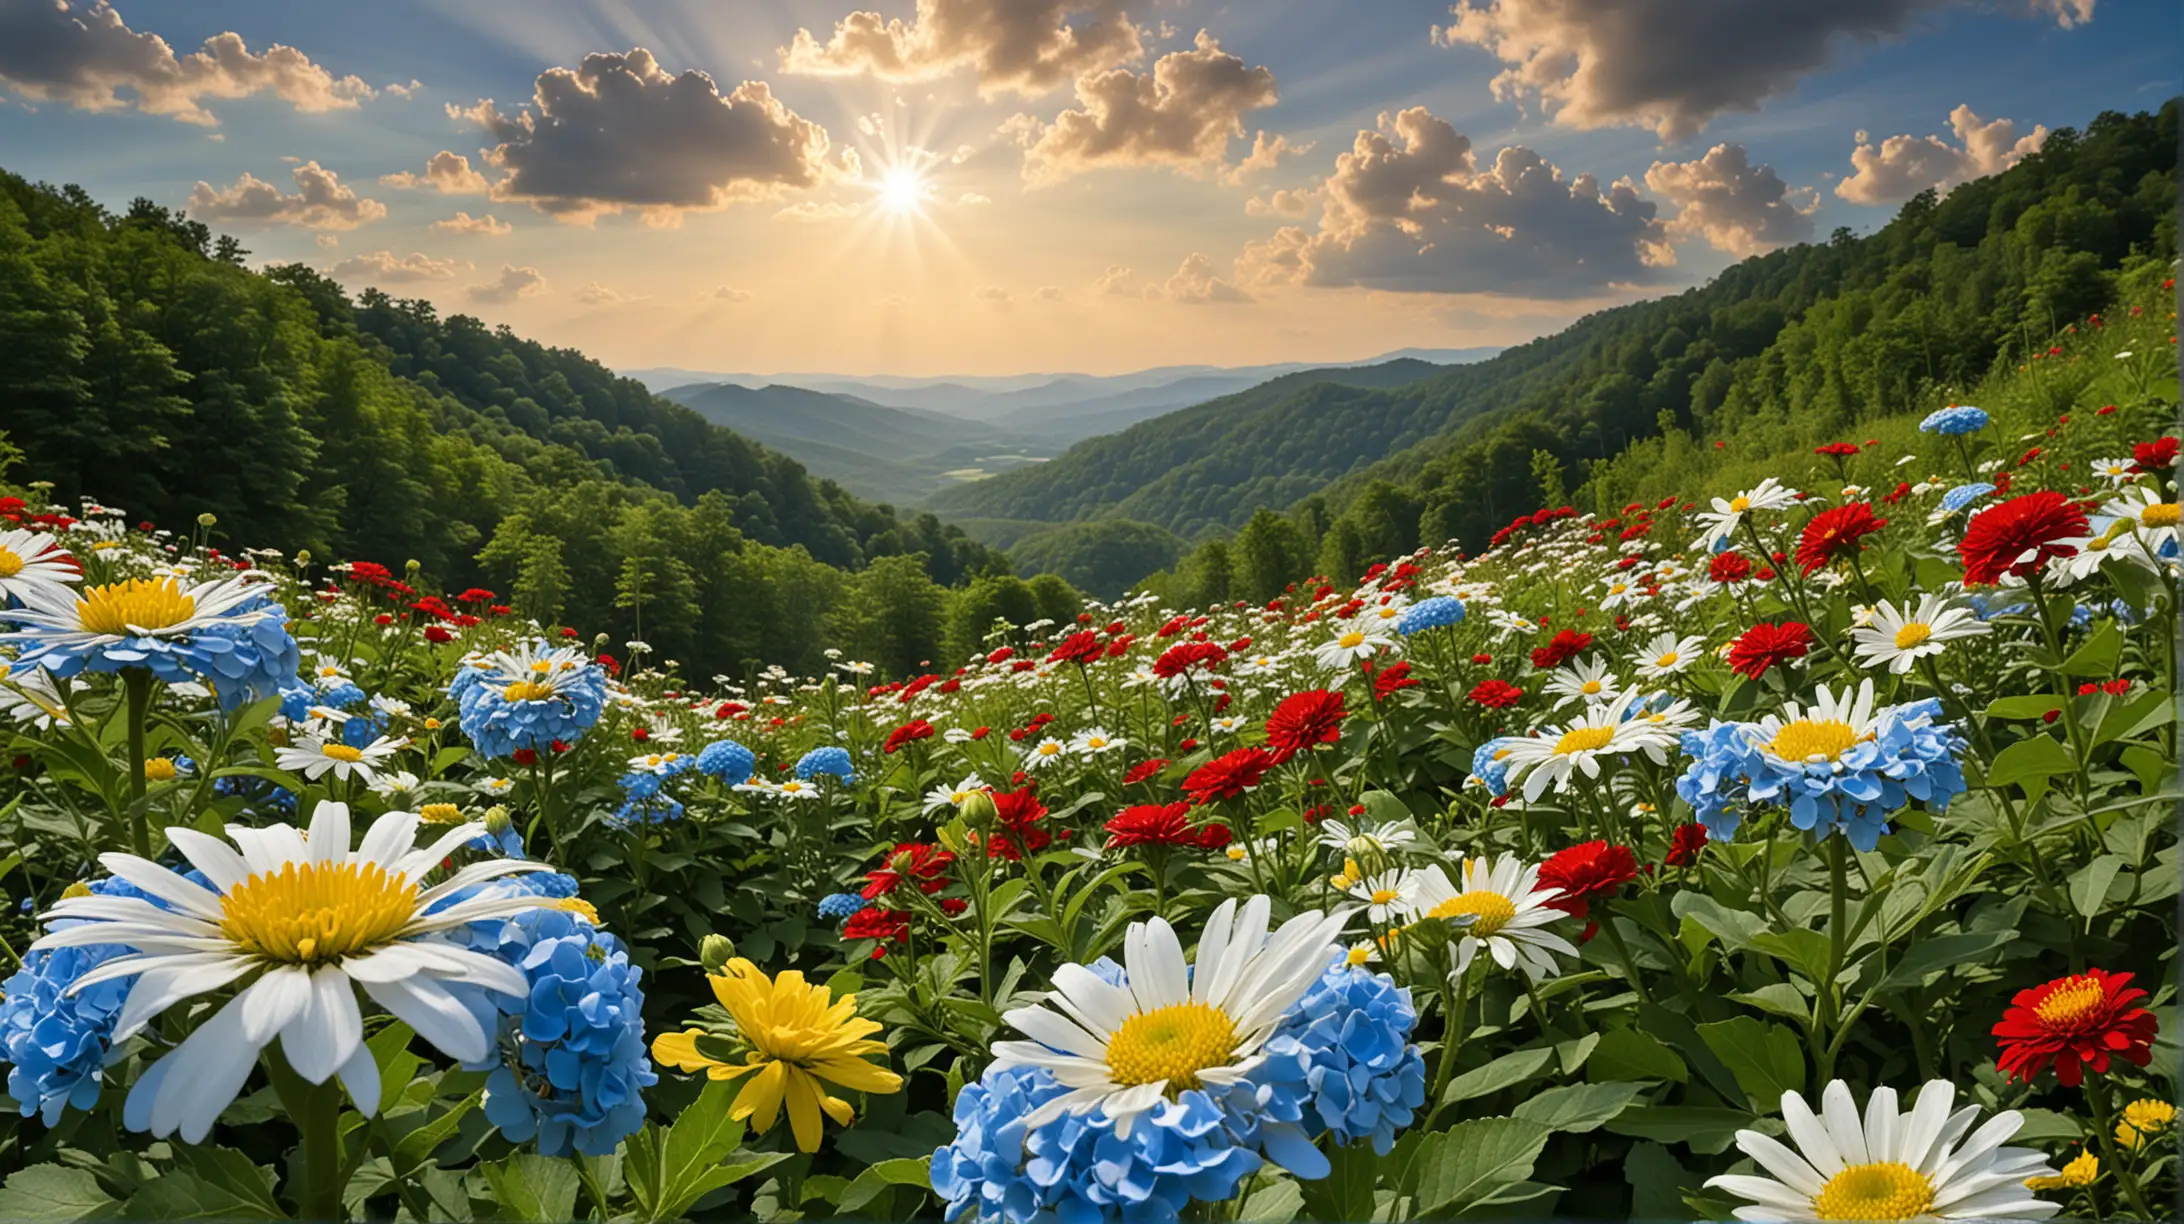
x=715, y=951
x=497, y=819
x=978, y=810
x=207, y=519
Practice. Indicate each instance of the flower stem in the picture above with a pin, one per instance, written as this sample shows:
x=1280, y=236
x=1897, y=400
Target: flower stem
x=2096, y=1096
x=137, y=685
x=1838, y=936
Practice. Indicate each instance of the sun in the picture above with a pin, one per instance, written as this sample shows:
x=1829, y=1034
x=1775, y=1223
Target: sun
x=903, y=189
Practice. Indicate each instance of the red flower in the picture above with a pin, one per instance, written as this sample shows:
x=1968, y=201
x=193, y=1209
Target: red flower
x=1163, y=824
x=1185, y=657
x=524, y=756
x=1017, y=815
x=1389, y=680
x=1565, y=645
x=1303, y=720
x=1226, y=777
x=2020, y=535
x=2074, y=1022
x=1589, y=872
x=436, y=635
x=1684, y=846
x=1080, y=648
x=887, y=926
x=1496, y=694
x=1729, y=567
x=2156, y=457
x=476, y=595
x=910, y=732
x=1840, y=450
x=923, y=865
x=1767, y=645
x=1835, y=533
x=1143, y=770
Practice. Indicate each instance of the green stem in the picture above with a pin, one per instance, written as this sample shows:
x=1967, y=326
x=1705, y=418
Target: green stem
x=1838, y=931
x=2067, y=698
x=2096, y=1096
x=137, y=684
x=1452, y=1040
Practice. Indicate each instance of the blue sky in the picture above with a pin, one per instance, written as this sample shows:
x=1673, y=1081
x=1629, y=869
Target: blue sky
x=927, y=198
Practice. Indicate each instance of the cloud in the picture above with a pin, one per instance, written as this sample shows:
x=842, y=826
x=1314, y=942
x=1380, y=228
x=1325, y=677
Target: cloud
x=1027, y=47
x=819, y=211
x=385, y=268
x=512, y=283
x=405, y=92
x=1286, y=202
x=85, y=56
x=1674, y=65
x=595, y=294
x=1734, y=205
x=1408, y=209
x=448, y=173
x=487, y=226
x=1115, y=282
x=1194, y=284
x=327, y=242
x=729, y=293
x=971, y=199
x=994, y=294
x=1265, y=155
x=1183, y=113
x=321, y=202
x=618, y=132
x=1047, y=293
x=1903, y=166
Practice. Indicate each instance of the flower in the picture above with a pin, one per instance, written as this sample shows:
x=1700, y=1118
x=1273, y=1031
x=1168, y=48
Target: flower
x=530, y=697
x=1158, y=824
x=1767, y=645
x=1917, y=1164
x=1685, y=843
x=1496, y=694
x=885, y=926
x=1668, y=655
x=2142, y=1120
x=1367, y=838
x=910, y=863
x=1227, y=776
x=228, y=633
x=1351, y=646
x=1438, y=612
x=1728, y=514
x=1964, y=495
x=1585, y=873
x=1046, y=752
x=1565, y=645
x=1490, y=764
x=2020, y=535
x=726, y=760
x=55, y=1036
x=1901, y=638
x=1388, y=895
x=1558, y=754
x=1351, y=1032
x=1093, y=741
x=2074, y=1022
x=1954, y=421
x=1303, y=720
x=31, y=561
x=1500, y=907
x=1835, y=533
x=316, y=758
x=948, y=798
x=1016, y=817
x=838, y=906
x=908, y=733
x=2083, y=1170
x=1126, y=1050
x=306, y=923
x=1081, y=648
x=799, y=1037
x=2153, y=517
x=829, y=761
x=1586, y=680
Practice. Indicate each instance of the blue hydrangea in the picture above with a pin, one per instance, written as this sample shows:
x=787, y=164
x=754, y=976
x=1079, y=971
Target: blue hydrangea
x=572, y=1064
x=339, y=693
x=1352, y=1032
x=1076, y=1168
x=839, y=906
x=830, y=761
x=728, y=761
x=1955, y=421
x=641, y=784
x=360, y=730
x=1438, y=612
x=244, y=655
x=658, y=808
x=1964, y=495
x=1490, y=768
x=56, y=1044
x=561, y=695
x=297, y=698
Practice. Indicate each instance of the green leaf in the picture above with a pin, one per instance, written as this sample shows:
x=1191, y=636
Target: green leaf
x=1735, y=928
x=1628, y=1054
x=2096, y=658
x=2038, y=757
x=1706, y=1128
x=2024, y=705
x=2090, y=884
x=1276, y=1203
x=2144, y=712
x=670, y=1169
x=1657, y=1182
x=1804, y=949
x=1766, y=1058
x=1507, y=1071
x=50, y=1192
x=416, y=1146
x=876, y=1179
x=1579, y=1108
x=1681, y=1035
x=1346, y=1193
x=532, y=1188
x=1465, y=1165
x=1939, y=952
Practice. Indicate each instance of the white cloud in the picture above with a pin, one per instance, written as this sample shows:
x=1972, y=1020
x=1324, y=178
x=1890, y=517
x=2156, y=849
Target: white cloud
x=1194, y=284
x=385, y=268
x=512, y=283
x=819, y=211
x=1734, y=205
x=320, y=202
x=1022, y=46
x=445, y=172
x=1183, y=114
x=595, y=294
x=729, y=293
x=1114, y=282
x=1266, y=155
x=487, y=226
x=1903, y=166
x=1047, y=293
x=1286, y=202
x=994, y=294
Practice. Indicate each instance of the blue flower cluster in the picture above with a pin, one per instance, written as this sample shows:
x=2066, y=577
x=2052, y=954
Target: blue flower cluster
x=1352, y=1033
x=1955, y=421
x=1964, y=495
x=572, y=1064
x=1490, y=768
x=828, y=761
x=558, y=696
x=728, y=761
x=838, y=907
x=655, y=808
x=246, y=655
x=1438, y=612
x=56, y=1044
x=1909, y=756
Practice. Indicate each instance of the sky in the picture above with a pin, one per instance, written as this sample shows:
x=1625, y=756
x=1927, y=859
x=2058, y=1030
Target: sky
x=1006, y=186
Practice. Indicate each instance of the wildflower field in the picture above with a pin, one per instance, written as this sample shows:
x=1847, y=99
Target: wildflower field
x=1801, y=847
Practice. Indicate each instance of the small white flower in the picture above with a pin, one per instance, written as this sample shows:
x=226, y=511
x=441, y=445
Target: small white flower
x=1092, y=741
x=1048, y=751
x=315, y=758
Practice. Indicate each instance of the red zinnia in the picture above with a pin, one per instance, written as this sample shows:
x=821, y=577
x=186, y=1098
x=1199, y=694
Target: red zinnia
x=1302, y=720
x=912, y=862
x=1143, y=770
x=1766, y=645
x=1389, y=680
x=910, y=732
x=1591, y=871
x=1163, y=824
x=1839, y=450
x=1729, y=567
x=1496, y=694
x=887, y=926
x=1835, y=533
x=1079, y=648
x=2154, y=458
x=2020, y=535
x=1185, y=657
x=1684, y=846
x=2074, y=1022
x=1565, y=645
x=1227, y=777
x=1017, y=815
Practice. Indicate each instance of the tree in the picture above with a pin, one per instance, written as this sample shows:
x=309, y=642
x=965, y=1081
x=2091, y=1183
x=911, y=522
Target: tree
x=1268, y=554
x=1547, y=478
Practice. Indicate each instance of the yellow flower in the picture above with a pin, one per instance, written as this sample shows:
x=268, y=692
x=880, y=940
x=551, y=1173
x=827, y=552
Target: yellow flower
x=159, y=769
x=798, y=1035
x=2081, y=1171
x=2142, y=1120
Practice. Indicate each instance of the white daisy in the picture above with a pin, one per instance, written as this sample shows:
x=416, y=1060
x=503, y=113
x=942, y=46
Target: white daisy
x=307, y=922
x=399, y=783
x=2152, y=516
x=1345, y=838
x=1616, y=592
x=2113, y=540
x=496, y=786
x=1353, y=646
x=57, y=617
x=1728, y=513
x=1049, y=751
x=1092, y=741
x=1924, y=1163
x=1125, y=1049
x=34, y=698
x=948, y=798
x=31, y=561
x=1668, y=655
x=2115, y=471
x=315, y=758
x=1226, y=724
x=1900, y=639
x=793, y=788
x=1583, y=680
x=1389, y=896
x=1557, y=754
x=1502, y=908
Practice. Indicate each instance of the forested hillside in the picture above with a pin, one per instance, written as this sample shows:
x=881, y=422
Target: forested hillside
x=142, y=364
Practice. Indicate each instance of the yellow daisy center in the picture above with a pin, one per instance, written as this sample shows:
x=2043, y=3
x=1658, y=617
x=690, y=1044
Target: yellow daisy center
x=1049, y=749
x=10, y=563
x=342, y=752
x=1358, y=954
x=1584, y=739
x=1880, y=1190
x=524, y=690
x=1806, y=739
x=1172, y=1043
x=441, y=813
x=541, y=667
x=1912, y=633
x=580, y=907
x=158, y=769
x=1667, y=660
x=1381, y=896
x=1590, y=687
x=1740, y=504
x=1351, y=640
x=316, y=913
x=1096, y=741
x=139, y=603
x=1490, y=911
x=2160, y=514
x=1618, y=588
x=2072, y=1003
